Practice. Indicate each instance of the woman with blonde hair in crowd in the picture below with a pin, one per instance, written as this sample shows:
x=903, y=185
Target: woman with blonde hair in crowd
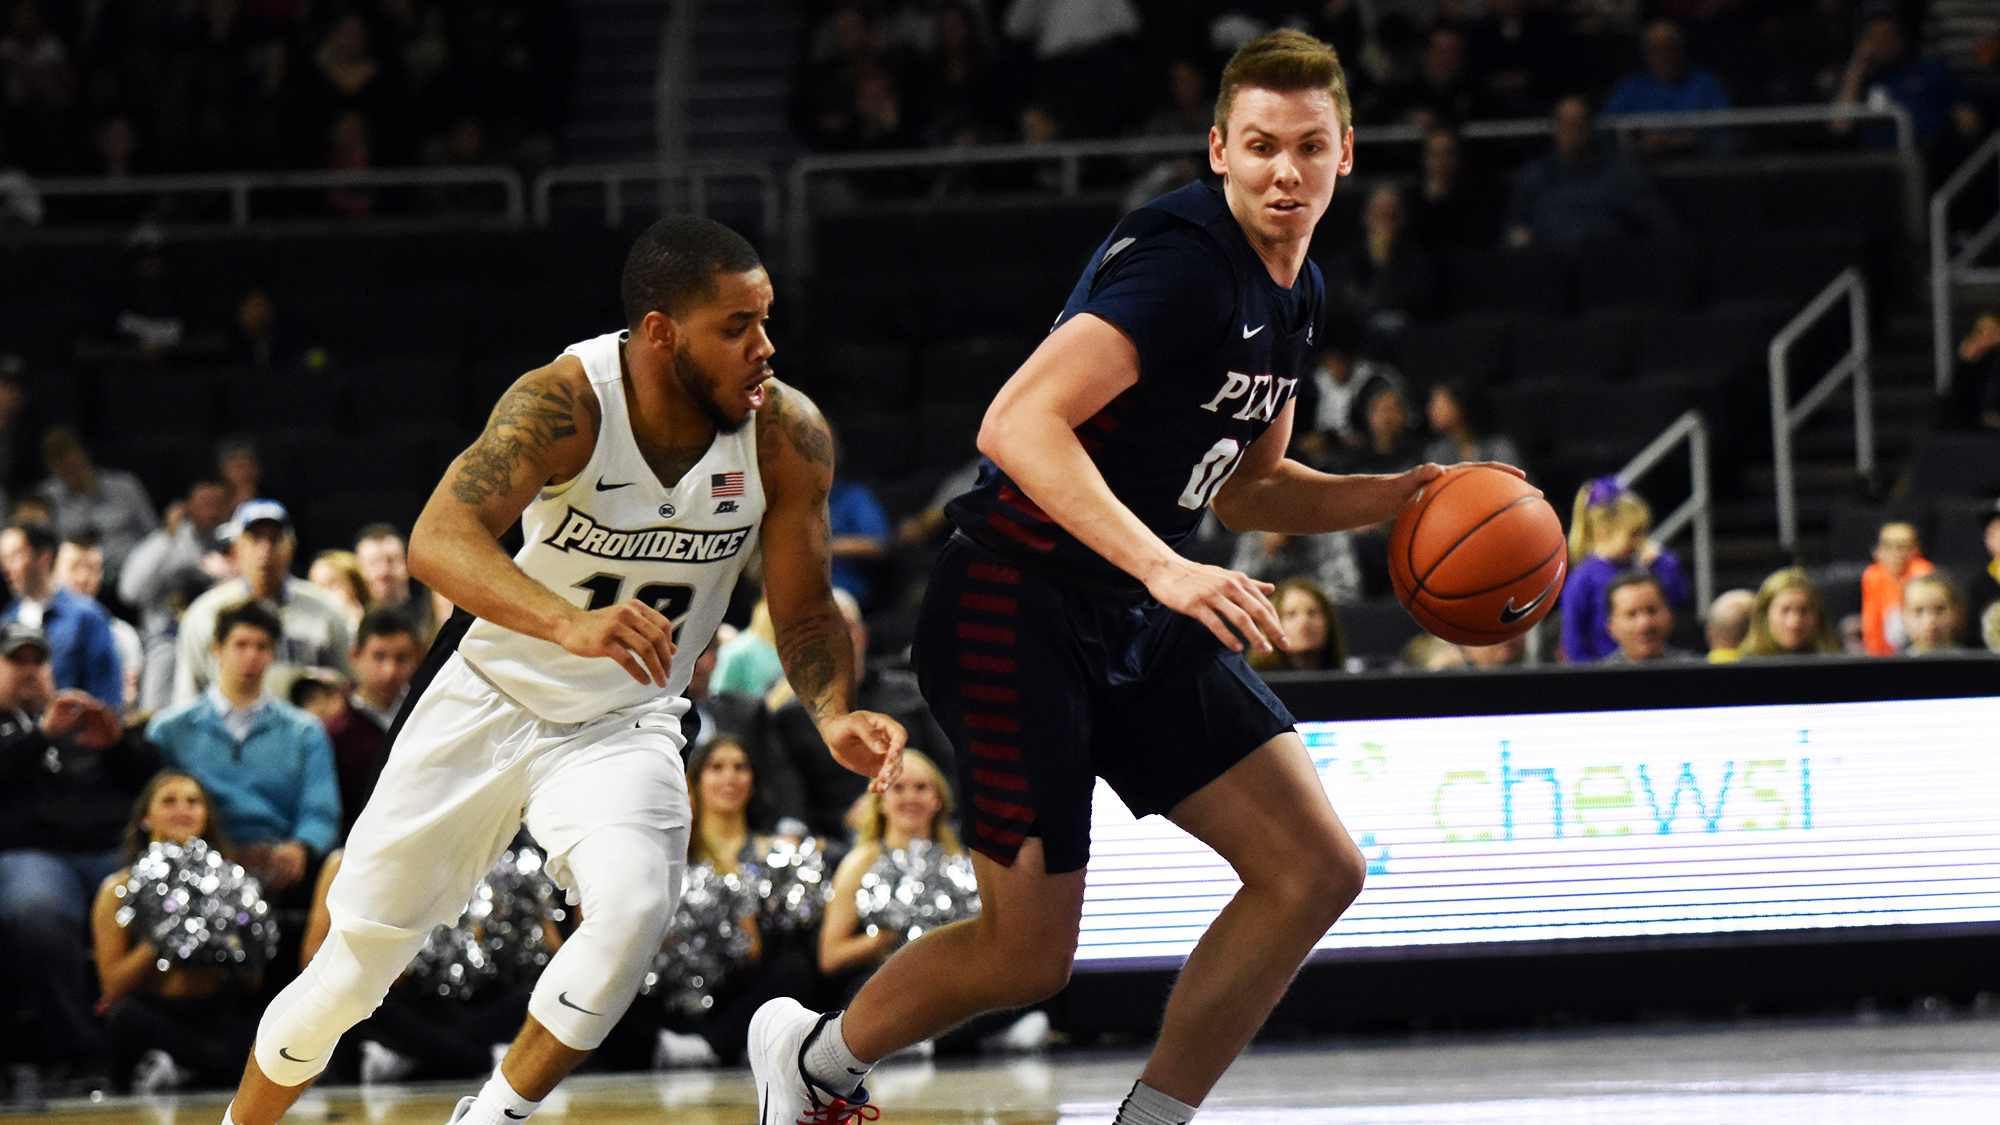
x=1789, y=618
x=1609, y=533
x=339, y=574
x=918, y=806
x=1312, y=625
x=168, y=1023
x=1933, y=614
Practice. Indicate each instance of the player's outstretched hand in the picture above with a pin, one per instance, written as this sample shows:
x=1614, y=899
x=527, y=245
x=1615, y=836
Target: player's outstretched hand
x=631, y=632
x=1234, y=606
x=869, y=744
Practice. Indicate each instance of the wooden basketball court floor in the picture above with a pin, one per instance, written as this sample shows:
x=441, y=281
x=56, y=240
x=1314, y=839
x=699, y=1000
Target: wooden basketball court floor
x=1851, y=1073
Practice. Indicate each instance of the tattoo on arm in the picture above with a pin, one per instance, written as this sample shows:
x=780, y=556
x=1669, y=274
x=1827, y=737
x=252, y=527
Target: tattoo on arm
x=811, y=652
x=794, y=417
x=530, y=418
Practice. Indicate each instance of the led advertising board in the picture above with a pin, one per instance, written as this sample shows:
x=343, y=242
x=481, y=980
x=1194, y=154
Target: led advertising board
x=1617, y=824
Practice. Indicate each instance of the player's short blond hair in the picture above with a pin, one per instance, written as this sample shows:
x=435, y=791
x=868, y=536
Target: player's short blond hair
x=1283, y=60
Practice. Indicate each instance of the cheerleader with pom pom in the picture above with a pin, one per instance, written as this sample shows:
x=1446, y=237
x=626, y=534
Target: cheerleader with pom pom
x=177, y=997
x=734, y=941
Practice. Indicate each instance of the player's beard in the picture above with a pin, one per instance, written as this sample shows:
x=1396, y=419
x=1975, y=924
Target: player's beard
x=694, y=382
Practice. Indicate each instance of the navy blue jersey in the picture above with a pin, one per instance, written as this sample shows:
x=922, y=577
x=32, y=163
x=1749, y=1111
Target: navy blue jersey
x=1222, y=348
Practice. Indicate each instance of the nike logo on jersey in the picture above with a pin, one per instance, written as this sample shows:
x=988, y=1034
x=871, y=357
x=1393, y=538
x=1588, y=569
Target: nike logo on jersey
x=1509, y=615
x=1262, y=396
x=563, y=999
x=584, y=535
x=1249, y=331
x=602, y=487
x=284, y=1053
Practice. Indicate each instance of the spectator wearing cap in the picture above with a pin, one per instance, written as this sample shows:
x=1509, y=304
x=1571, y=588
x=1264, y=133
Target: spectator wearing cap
x=268, y=764
x=383, y=556
x=187, y=554
x=80, y=570
x=108, y=503
x=68, y=776
x=313, y=630
x=82, y=651
x=384, y=659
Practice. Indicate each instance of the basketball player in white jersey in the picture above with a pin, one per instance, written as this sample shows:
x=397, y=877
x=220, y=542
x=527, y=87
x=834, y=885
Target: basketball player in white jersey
x=645, y=467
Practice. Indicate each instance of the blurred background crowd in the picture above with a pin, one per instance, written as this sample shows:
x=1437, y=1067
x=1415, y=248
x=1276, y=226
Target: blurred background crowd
x=212, y=447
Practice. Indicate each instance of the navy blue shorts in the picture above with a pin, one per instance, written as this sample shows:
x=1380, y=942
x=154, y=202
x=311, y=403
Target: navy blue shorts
x=1044, y=687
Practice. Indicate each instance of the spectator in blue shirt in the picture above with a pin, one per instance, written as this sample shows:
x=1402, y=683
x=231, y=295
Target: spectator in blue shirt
x=1882, y=67
x=861, y=535
x=81, y=649
x=268, y=764
x=1583, y=192
x=1667, y=83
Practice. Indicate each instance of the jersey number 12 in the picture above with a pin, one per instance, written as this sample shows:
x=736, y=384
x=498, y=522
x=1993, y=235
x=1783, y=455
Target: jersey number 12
x=671, y=598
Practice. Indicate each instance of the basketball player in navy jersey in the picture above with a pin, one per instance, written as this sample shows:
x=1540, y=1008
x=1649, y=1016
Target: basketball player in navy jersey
x=1062, y=638
x=644, y=466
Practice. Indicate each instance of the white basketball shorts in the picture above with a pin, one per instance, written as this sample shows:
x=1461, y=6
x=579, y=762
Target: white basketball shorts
x=468, y=768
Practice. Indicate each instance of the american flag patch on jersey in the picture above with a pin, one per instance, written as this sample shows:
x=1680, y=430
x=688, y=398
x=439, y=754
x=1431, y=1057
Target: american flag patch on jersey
x=725, y=484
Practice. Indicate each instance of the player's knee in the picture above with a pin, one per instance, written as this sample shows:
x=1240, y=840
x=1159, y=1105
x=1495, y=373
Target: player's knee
x=1032, y=975
x=1317, y=884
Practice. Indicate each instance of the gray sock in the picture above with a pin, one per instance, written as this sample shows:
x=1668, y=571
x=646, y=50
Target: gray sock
x=1147, y=1106
x=830, y=1063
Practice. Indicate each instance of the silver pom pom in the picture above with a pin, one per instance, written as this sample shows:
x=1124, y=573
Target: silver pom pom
x=798, y=880
x=910, y=891
x=708, y=939
x=501, y=936
x=197, y=909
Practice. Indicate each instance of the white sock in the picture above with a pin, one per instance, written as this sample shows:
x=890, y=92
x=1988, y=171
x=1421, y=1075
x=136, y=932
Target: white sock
x=831, y=1064
x=498, y=1104
x=226, y=1119
x=1147, y=1106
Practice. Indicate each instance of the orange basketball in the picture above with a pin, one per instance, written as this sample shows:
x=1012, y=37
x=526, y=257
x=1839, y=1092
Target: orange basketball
x=1477, y=557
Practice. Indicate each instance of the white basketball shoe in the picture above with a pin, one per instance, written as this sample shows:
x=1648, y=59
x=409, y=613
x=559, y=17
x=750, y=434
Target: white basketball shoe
x=786, y=1095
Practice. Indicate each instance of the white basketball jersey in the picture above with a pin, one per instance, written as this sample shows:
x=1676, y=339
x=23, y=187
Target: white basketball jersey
x=615, y=532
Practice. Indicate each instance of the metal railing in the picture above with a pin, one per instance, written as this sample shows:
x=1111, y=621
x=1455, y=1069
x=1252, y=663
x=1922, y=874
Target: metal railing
x=1067, y=157
x=1697, y=510
x=241, y=187
x=697, y=177
x=1787, y=417
x=1949, y=269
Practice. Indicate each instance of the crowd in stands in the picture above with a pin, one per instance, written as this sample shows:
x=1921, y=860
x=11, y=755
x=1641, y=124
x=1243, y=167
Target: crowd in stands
x=888, y=74
x=138, y=86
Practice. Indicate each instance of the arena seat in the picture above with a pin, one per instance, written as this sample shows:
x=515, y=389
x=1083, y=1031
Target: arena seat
x=1467, y=347
x=1530, y=280
x=874, y=445
x=1960, y=464
x=970, y=369
x=1592, y=346
x=1376, y=628
x=1958, y=530
x=285, y=399
x=1790, y=265
x=1714, y=343
x=332, y=520
x=947, y=433
x=1661, y=273
x=135, y=404
x=407, y=388
x=882, y=376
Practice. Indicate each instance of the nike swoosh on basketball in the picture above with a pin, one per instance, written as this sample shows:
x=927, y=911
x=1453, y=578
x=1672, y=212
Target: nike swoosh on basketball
x=286, y=1054
x=1509, y=615
x=1249, y=331
x=602, y=487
